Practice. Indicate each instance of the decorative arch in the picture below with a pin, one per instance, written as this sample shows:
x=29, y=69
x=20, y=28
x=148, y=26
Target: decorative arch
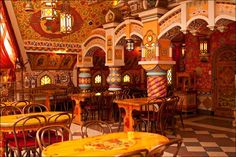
x=43, y=74
x=197, y=17
x=130, y=75
x=120, y=30
x=168, y=29
x=94, y=41
x=103, y=79
x=224, y=17
x=93, y=46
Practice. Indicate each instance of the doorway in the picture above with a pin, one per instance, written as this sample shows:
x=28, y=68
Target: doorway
x=224, y=68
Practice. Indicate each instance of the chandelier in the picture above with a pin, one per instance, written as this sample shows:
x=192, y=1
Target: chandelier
x=65, y=18
x=50, y=11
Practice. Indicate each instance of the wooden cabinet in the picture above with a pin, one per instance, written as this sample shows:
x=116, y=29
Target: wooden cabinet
x=185, y=89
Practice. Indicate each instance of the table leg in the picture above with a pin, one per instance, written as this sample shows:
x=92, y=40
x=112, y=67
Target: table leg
x=77, y=111
x=128, y=119
x=47, y=102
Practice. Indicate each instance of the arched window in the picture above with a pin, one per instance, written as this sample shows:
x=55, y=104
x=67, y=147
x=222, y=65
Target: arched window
x=126, y=78
x=169, y=76
x=98, y=79
x=45, y=80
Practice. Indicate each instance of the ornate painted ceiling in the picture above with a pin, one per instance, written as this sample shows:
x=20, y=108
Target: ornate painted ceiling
x=87, y=15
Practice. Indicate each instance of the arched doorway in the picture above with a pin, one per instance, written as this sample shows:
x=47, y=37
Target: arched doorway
x=224, y=68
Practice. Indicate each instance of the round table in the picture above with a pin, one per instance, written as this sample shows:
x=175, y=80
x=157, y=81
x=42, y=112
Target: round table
x=105, y=145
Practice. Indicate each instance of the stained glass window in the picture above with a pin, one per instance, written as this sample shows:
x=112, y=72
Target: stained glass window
x=45, y=80
x=169, y=76
x=126, y=78
x=98, y=79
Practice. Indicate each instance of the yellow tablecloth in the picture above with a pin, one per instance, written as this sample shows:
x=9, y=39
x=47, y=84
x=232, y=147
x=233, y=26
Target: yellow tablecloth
x=105, y=145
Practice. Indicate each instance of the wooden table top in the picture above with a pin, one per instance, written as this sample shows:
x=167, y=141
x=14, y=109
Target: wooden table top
x=6, y=122
x=105, y=145
x=133, y=101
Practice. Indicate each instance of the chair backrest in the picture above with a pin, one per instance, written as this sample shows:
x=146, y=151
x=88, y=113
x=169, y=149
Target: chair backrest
x=101, y=126
x=2, y=104
x=34, y=108
x=151, y=110
x=180, y=104
x=159, y=150
x=135, y=153
x=168, y=111
x=50, y=134
x=9, y=110
x=21, y=103
x=25, y=125
x=57, y=118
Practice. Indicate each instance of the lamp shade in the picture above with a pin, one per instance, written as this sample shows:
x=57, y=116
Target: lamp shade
x=65, y=22
x=48, y=10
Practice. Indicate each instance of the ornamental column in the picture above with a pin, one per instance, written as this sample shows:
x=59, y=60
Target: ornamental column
x=156, y=53
x=114, y=79
x=156, y=83
x=114, y=52
x=85, y=79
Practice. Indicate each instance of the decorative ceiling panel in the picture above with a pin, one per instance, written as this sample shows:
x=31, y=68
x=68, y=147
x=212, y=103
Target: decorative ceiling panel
x=51, y=61
x=86, y=18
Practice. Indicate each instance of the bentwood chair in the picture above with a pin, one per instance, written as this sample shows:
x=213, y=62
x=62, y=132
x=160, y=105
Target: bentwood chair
x=22, y=103
x=159, y=150
x=50, y=134
x=149, y=115
x=27, y=145
x=179, y=110
x=167, y=114
x=34, y=108
x=55, y=119
x=101, y=126
x=2, y=104
x=9, y=110
x=5, y=111
x=135, y=153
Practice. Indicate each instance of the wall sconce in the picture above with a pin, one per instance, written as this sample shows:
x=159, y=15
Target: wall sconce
x=203, y=46
x=48, y=10
x=130, y=44
x=183, y=50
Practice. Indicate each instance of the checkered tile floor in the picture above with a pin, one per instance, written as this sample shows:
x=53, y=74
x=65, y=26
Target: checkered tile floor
x=205, y=141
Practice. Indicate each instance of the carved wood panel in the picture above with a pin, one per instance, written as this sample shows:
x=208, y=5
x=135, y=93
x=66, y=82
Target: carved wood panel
x=225, y=83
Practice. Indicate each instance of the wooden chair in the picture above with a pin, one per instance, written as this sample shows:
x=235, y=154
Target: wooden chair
x=179, y=110
x=55, y=119
x=92, y=107
x=135, y=153
x=50, y=134
x=22, y=103
x=149, y=115
x=159, y=150
x=27, y=145
x=9, y=110
x=2, y=104
x=5, y=111
x=167, y=114
x=101, y=126
x=34, y=108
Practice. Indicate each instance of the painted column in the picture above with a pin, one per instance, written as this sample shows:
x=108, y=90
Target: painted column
x=114, y=79
x=156, y=83
x=85, y=79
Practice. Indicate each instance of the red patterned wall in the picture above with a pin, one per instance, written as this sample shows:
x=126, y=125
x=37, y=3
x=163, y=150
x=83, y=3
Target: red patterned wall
x=204, y=69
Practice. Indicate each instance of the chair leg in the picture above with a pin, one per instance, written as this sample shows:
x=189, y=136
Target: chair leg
x=181, y=118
